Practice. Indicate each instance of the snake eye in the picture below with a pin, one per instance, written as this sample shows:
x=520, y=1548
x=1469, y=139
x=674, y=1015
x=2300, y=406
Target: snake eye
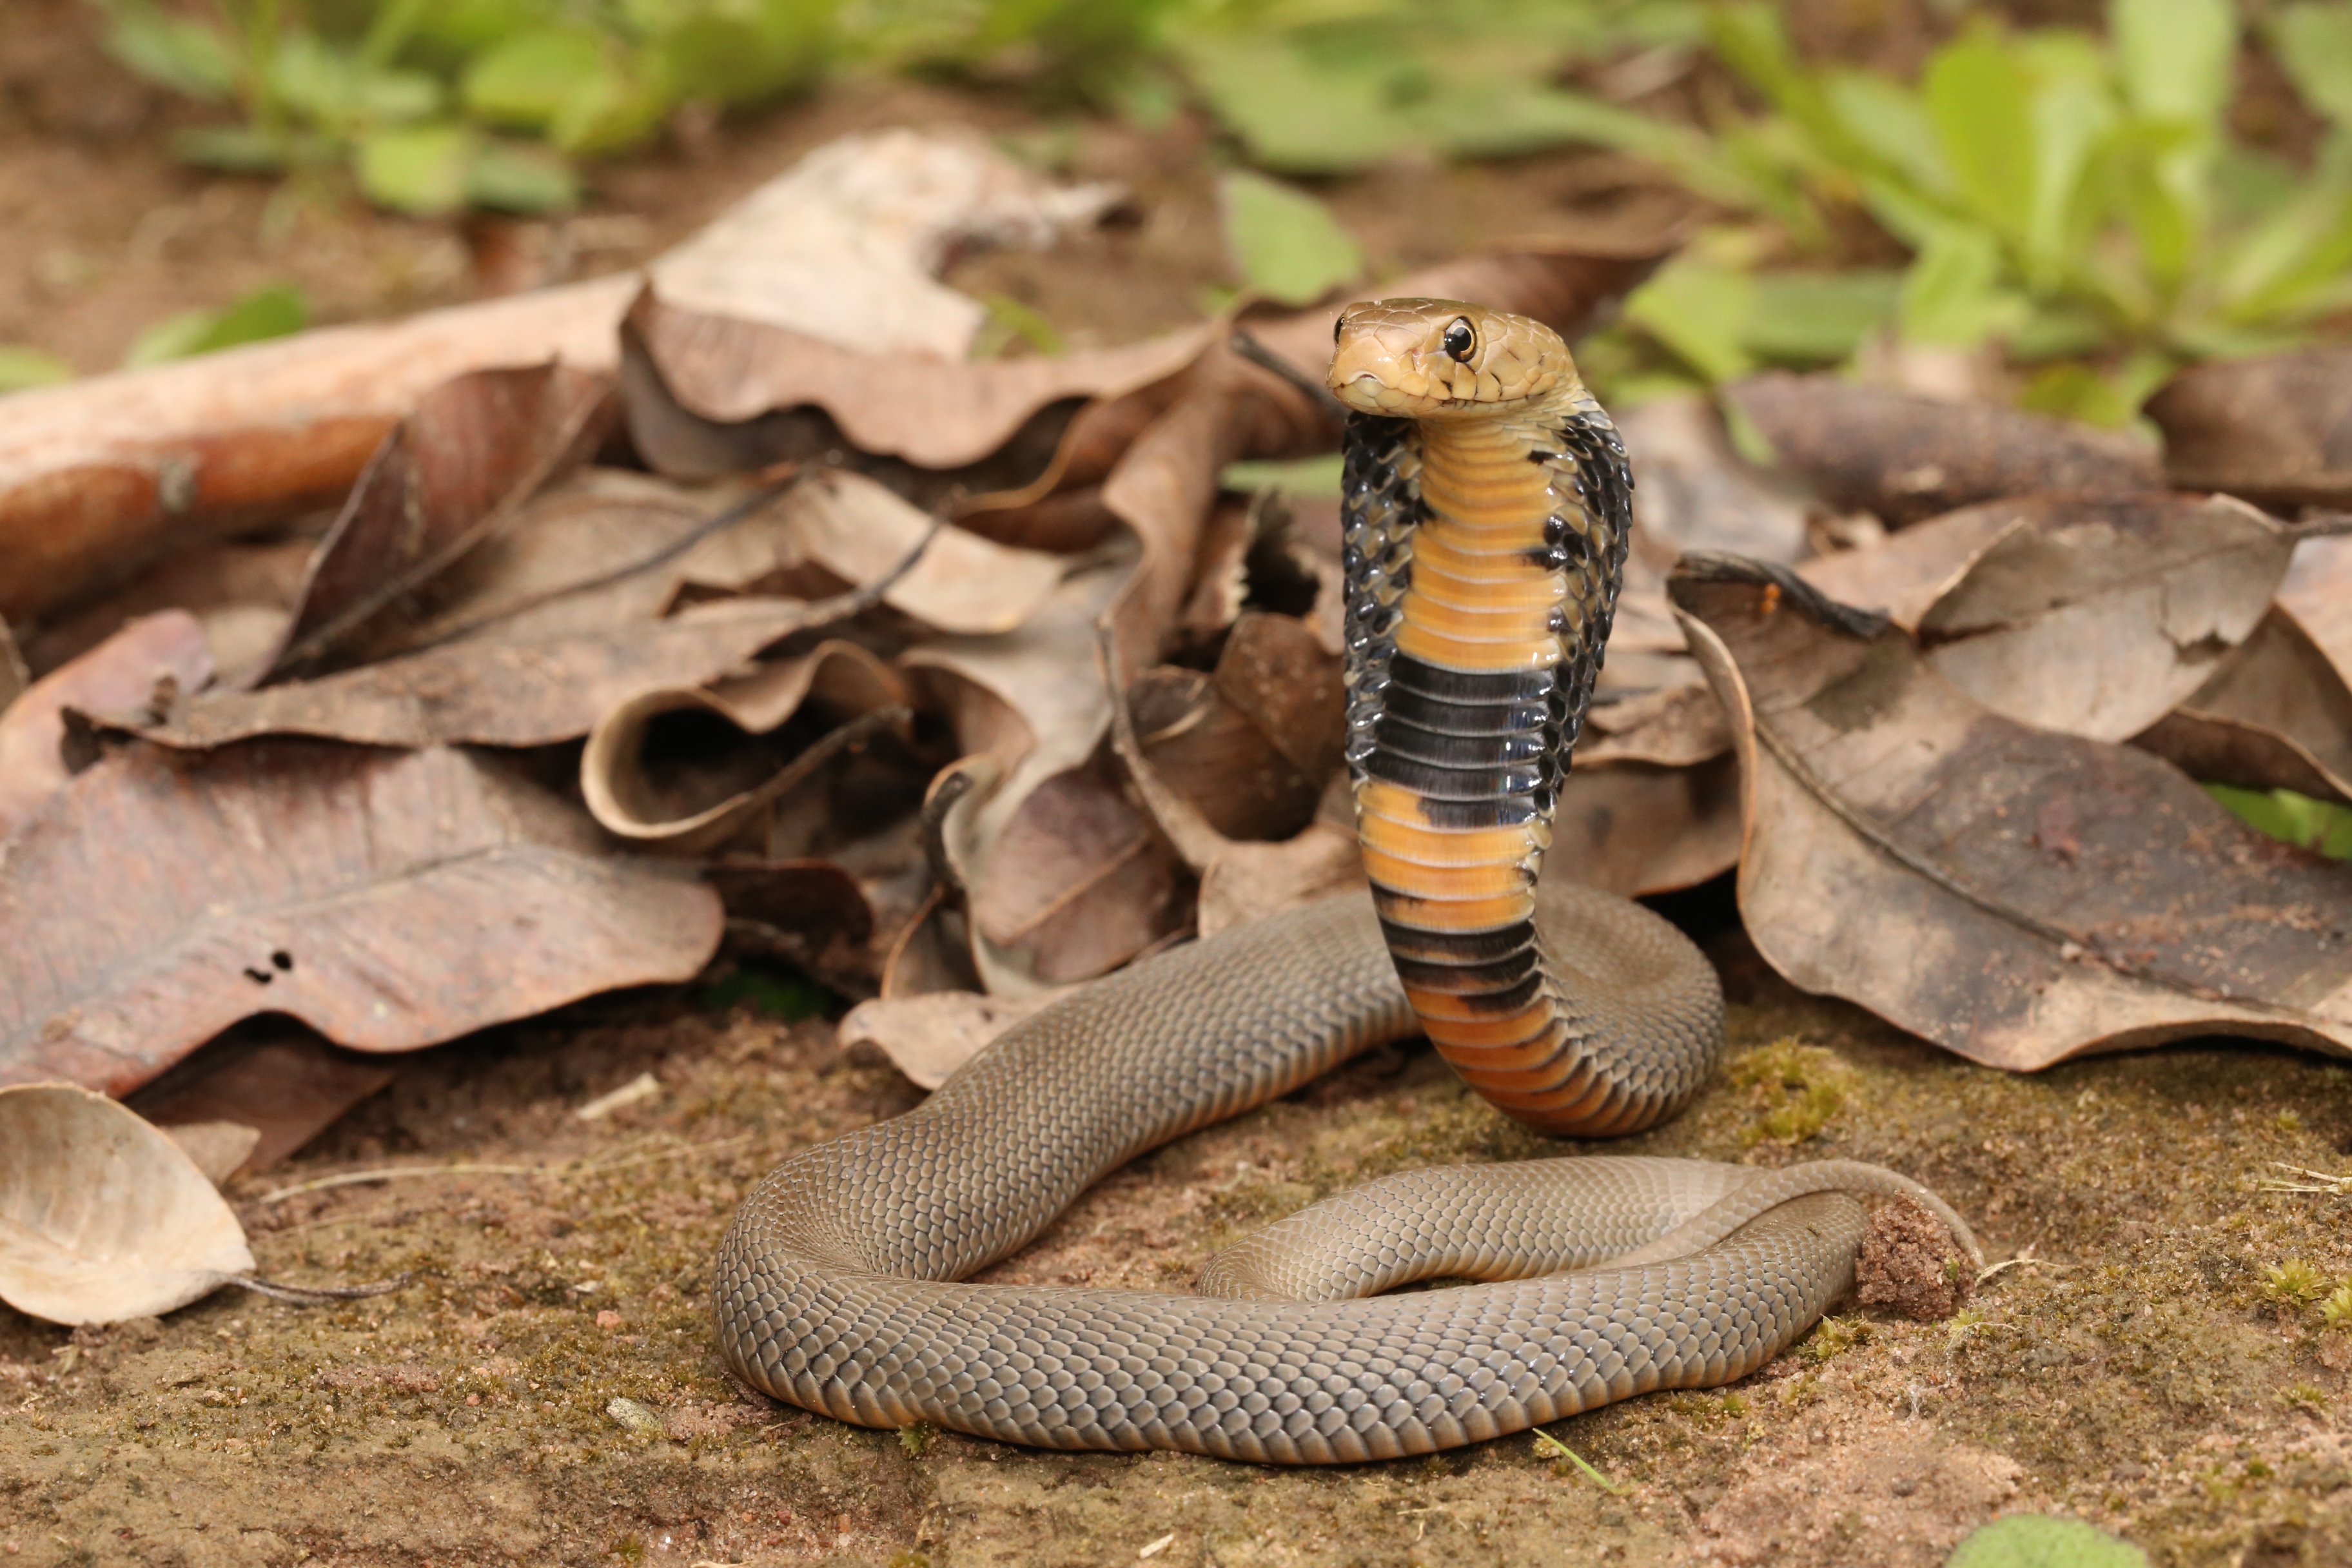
x=1459, y=342
x=1339, y=325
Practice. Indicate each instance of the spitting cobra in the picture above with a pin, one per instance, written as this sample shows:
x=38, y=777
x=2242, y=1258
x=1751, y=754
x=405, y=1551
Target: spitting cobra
x=1486, y=506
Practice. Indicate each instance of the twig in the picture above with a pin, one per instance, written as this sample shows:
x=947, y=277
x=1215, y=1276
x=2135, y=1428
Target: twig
x=2321, y=1181
x=311, y=1294
x=593, y=1166
x=2025, y=1259
x=1546, y=1442
x=1246, y=343
x=2321, y=524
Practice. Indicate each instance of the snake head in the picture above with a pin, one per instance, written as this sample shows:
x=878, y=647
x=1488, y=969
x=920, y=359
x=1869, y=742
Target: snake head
x=1421, y=359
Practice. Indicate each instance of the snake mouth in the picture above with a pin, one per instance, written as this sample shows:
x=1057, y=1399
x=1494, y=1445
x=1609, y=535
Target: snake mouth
x=1367, y=392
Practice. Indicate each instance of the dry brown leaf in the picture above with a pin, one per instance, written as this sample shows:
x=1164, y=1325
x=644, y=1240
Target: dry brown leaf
x=2013, y=894
x=1251, y=745
x=103, y=1217
x=684, y=767
x=2275, y=428
x=855, y=534
x=2277, y=714
x=1636, y=828
x=813, y=913
x=1677, y=727
x=214, y=1148
x=243, y=593
x=454, y=471
x=498, y=694
x=1904, y=457
x=1249, y=882
x=2318, y=593
x=712, y=395
x=929, y=1037
x=14, y=676
x=271, y=1075
x=166, y=650
x=389, y=900
x=2093, y=617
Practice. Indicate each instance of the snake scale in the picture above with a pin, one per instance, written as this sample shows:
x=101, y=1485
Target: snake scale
x=1486, y=507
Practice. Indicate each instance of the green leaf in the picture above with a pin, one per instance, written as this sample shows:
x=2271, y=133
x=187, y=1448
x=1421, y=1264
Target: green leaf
x=22, y=367
x=1287, y=245
x=2175, y=57
x=718, y=58
x=2041, y=1540
x=1818, y=318
x=518, y=178
x=1010, y=322
x=189, y=57
x=2321, y=826
x=2112, y=399
x=2074, y=112
x=233, y=149
x=1888, y=117
x=2313, y=43
x=532, y=79
x=1293, y=114
x=419, y=169
x=1310, y=477
x=1981, y=102
x=1953, y=293
x=1701, y=311
x=272, y=312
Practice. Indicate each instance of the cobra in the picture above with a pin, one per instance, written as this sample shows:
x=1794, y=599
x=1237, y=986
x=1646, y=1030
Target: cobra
x=1487, y=503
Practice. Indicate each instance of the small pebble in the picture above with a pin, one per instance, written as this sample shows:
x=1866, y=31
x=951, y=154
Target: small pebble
x=633, y=1417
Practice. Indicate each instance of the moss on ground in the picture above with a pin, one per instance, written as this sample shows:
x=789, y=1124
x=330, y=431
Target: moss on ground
x=2170, y=1356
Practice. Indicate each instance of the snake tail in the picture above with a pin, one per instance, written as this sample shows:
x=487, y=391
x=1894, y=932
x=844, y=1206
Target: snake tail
x=1487, y=507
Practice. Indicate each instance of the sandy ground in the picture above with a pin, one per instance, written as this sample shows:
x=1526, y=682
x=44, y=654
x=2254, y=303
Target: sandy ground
x=2140, y=1371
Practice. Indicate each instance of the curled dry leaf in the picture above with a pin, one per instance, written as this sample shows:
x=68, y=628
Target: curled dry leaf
x=929, y=1037
x=2016, y=895
x=1251, y=745
x=390, y=901
x=684, y=767
x=813, y=913
x=146, y=664
x=1904, y=457
x=501, y=693
x=103, y=1217
x=2095, y=617
x=2277, y=714
x=2275, y=428
x=451, y=473
x=216, y=1148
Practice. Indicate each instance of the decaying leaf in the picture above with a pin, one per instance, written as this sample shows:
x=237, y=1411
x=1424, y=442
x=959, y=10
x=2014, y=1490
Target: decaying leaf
x=14, y=676
x=214, y=1148
x=1250, y=881
x=2275, y=428
x=503, y=693
x=1637, y=828
x=684, y=767
x=813, y=913
x=1903, y=456
x=2016, y=895
x=2095, y=617
x=165, y=651
x=103, y=1217
x=1675, y=727
x=389, y=900
x=928, y=1037
x=455, y=470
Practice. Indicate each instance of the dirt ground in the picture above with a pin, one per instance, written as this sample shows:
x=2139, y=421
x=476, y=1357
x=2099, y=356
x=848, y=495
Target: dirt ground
x=2142, y=1367
x=2142, y=1370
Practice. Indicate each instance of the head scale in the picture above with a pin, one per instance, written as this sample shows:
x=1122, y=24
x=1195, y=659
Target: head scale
x=1421, y=359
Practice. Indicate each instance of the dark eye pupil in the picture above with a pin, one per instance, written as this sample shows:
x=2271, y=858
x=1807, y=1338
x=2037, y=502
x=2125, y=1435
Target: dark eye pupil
x=1459, y=341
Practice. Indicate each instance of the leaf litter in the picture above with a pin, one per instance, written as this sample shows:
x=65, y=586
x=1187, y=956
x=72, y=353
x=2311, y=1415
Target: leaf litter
x=955, y=807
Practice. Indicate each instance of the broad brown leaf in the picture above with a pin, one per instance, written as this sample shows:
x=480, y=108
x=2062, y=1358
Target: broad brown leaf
x=148, y=661
x=2015, y=895
x=1251, y=745
x=2275, y=428
x=242, y=591
x=2277, y=714
x=2091, y=616
x=389, y=900
x=1904, y=457
x=270, y=1075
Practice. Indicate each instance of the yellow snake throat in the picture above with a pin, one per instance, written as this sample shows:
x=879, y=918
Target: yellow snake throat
x=1486, y=507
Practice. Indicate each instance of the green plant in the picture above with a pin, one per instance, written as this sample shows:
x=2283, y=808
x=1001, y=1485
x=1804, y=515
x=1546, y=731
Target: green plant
x=2043, y=1540
x=2335, y=1311
x=2293, y=1283
x=2078, y=200
x=433, y=105
x=271, y=312
x=22, y=367
x=2321, y=826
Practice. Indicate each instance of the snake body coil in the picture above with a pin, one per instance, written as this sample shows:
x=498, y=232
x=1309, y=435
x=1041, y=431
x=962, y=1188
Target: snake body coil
x=1487, y=511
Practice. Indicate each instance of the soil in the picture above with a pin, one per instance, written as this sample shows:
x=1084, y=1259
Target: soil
x=2135, y=1363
